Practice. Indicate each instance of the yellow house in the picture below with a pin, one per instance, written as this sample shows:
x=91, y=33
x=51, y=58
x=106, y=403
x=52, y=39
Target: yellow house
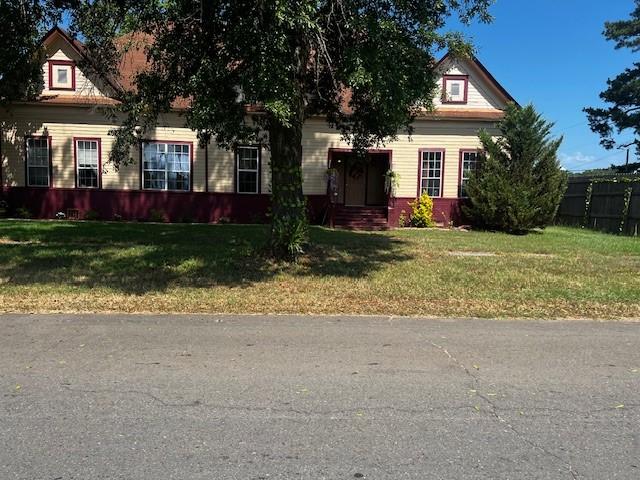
x=54, y=156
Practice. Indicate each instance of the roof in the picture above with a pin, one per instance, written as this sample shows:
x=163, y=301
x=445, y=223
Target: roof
x=467, y=114
x=76, y=100
x=134, y=61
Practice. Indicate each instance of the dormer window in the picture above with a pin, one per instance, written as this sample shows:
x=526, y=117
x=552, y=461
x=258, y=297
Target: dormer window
x=455, y=88
x=62, y=75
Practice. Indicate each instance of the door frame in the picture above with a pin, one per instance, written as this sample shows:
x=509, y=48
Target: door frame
x=332, y=151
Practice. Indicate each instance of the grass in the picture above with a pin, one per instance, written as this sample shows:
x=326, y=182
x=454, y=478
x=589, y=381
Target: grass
x=119, y=267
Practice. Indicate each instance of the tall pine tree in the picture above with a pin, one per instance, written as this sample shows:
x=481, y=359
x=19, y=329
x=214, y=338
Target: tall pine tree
x=519, y=184
x=623, y=92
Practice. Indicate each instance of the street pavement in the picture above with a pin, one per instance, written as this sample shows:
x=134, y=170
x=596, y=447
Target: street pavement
x=299, y=397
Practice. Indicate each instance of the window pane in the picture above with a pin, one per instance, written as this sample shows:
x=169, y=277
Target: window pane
x=154, y=180
x=431, y=173
x=469, y=164
x=88, y=178
x=178, y=181
x=38, y=162
x=247, y=182
x=87, y=154
x=38, y=176
x=62, y=76
x=166, y=166
x=247, y=169
x=87, y=158
x=248, y=158
x=455, y=89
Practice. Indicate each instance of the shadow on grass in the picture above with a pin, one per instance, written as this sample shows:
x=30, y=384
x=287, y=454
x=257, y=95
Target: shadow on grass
x=146, y=258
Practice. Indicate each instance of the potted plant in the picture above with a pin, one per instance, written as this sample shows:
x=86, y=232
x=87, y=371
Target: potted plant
x=391, y=183
x=332, y=184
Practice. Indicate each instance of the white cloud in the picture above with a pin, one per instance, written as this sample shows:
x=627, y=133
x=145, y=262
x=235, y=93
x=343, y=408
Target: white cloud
x=575, y=160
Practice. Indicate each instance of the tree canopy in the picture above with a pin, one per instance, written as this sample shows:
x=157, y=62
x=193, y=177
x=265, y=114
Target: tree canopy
x=366, y=66
x=623, y=92
x=24, y=23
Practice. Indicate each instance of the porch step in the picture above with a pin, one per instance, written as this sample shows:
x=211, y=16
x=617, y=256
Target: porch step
x=361, y=218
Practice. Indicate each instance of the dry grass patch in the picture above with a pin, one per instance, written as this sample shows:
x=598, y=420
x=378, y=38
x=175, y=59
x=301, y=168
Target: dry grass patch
x=98, y=267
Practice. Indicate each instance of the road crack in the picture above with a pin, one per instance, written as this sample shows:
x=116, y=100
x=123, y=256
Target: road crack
x=493, y=410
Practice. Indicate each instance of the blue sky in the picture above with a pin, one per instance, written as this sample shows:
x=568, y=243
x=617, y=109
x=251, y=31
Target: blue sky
x=552, y=53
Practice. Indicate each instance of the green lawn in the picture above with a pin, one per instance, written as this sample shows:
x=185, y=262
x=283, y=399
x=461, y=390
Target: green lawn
x=122, y=267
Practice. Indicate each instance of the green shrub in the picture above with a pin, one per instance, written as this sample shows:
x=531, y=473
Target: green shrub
x=91, y=215
x=289, y=236
x=519, y=185
x=422, y=212
x=4, y=208
x=23, y=212
x=157, y=216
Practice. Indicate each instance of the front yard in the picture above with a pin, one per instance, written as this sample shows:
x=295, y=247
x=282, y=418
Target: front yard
x=120, y=267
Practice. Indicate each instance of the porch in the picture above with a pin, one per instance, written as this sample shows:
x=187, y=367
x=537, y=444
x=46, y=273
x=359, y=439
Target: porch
x=358, y=196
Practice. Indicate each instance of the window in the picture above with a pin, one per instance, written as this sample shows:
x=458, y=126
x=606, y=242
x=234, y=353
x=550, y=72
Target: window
x=62, y=75
x=454, y=89
x=88, y=162
x=248, y=170
x=166, y=166
x=38, y=162
x=431, y=162
x=469, y=160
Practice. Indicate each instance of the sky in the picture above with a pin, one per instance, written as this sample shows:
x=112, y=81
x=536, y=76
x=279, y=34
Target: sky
x=552, y=53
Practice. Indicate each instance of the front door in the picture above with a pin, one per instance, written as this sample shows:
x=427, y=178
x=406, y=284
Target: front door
x=355, y=185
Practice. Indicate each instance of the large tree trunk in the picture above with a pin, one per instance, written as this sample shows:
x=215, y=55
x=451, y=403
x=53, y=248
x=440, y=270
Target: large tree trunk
x=289, y=220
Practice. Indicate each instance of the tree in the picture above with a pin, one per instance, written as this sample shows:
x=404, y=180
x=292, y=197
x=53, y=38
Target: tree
x=623, y=92
x=367, y=66
x=633, y=167
x=24, y=23
x=519, y=184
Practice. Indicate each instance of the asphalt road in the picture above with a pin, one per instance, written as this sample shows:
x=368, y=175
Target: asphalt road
x=196, y=397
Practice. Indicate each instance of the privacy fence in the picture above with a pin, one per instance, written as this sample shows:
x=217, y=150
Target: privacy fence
x=610, y=204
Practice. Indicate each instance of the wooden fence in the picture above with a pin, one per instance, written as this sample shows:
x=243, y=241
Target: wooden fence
x=609, y=204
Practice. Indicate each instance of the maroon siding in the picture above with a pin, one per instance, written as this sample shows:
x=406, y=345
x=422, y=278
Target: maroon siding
x=444, y=210
x=193, y=206
x=137, y=205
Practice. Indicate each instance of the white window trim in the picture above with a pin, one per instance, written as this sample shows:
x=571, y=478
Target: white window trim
x=251, y=170
x=166, y=177
x=48, y=163
x=91, y=140
x=462, y=171
x=428, y=173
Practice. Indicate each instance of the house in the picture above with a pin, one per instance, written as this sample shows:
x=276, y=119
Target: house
x=54, y=151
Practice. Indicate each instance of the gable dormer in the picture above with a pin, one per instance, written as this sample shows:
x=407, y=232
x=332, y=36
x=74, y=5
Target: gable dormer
x=63, y=78
x=465, y=84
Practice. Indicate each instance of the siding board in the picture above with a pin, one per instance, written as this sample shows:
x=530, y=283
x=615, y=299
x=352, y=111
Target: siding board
x=64, y=123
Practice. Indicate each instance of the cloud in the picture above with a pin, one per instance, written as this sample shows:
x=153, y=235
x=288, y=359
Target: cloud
x=575, y=160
